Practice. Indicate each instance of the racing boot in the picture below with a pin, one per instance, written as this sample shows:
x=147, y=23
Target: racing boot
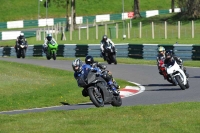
x=115, y=90
x=115, y=84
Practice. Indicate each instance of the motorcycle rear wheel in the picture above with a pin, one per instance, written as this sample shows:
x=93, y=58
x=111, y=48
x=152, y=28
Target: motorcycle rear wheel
x=178, y=79
x=97, y=100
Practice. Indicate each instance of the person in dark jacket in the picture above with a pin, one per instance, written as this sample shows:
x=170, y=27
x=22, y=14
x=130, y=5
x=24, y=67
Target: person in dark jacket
x=21, y=39
x=107, y=75
x=81, y=71
x=169, y=56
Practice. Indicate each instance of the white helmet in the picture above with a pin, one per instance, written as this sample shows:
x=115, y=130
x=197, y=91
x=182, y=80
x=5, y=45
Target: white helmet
x=21, y=34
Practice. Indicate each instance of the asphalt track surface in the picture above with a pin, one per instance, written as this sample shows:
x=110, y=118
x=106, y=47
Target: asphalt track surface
x=157, y=90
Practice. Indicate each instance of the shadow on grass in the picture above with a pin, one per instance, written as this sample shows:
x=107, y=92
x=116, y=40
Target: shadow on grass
x=64, y=103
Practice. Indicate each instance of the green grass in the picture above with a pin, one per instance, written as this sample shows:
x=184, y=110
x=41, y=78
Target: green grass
x=11, y=10
x=166, y=118
x=29, y=86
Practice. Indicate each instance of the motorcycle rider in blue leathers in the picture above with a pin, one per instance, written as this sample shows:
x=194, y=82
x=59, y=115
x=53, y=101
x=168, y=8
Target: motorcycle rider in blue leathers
x=81, y=71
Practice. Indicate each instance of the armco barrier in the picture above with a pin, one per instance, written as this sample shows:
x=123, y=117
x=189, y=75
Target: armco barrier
x=196, y=52
x=137, y=51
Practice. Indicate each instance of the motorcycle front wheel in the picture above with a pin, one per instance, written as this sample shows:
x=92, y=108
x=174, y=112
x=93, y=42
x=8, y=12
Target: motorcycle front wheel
x=54, y=55
x=114, y=59
x=23, y=53
x=180, y=83
x=97, y=99
x=117, y=101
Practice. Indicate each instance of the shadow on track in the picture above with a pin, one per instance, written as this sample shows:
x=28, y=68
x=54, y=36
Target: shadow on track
x=168, y=87
x=195, y=77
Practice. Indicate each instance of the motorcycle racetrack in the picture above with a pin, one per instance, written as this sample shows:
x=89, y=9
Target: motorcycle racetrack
x=157, y=90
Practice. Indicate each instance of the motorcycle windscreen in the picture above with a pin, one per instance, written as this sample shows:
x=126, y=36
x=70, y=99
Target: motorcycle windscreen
x=91, y=77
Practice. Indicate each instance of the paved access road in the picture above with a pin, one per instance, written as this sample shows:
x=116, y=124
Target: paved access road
x=157, y=90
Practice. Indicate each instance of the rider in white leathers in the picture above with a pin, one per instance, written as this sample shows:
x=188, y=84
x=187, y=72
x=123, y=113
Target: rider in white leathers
x=106, y=40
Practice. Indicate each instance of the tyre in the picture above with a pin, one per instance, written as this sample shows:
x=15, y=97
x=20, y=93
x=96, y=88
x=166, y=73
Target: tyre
x=54, y=55
x=23, y=53
x=19, y=54
x=48, y=57
x=96, y=99
x=180, y=83
x=187, y=85
x=117, y=101
x=114, y=59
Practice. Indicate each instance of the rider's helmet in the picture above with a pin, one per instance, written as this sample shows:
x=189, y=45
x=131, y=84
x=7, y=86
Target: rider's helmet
x=89, y=60
x=77, y=65
x=21, y=36
x=161, y=49
x=168, y=54
x=104, y=38
x=49, y=37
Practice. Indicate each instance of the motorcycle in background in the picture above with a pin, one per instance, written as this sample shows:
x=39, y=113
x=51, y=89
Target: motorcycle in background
x=177, y=75
x=51, y=50
x=21, y=48
x=110, y=54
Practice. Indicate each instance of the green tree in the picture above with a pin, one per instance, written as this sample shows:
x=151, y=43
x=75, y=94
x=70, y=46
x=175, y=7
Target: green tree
x=136, y=8
x=65, y=4
x=190, y=8
x=172, y=5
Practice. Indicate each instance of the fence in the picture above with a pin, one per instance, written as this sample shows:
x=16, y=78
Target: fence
x=137, y=51
x=145, y=30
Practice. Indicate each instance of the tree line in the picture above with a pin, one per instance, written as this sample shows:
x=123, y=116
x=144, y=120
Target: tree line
x=189, y=9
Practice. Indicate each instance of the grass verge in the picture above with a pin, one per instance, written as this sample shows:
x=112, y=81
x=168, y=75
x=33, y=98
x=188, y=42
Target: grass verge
x=24, y=86
x=166, y=118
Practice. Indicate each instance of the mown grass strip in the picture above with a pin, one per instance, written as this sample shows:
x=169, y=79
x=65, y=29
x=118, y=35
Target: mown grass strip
x=166, y=118
x=24, y=86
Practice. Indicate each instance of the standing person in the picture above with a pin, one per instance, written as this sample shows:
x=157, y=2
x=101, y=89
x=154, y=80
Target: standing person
x=21, y=38
x=48, y=39
x=105, y=40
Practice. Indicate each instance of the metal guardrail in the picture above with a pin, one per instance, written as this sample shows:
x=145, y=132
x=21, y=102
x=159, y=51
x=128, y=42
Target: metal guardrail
x=138, y=51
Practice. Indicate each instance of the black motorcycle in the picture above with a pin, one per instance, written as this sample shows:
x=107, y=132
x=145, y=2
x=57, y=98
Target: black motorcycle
x=98, y=90
x=110, y=54
x=21, y=49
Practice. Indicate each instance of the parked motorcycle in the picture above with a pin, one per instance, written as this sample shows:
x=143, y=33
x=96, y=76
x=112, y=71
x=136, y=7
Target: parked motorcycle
x=177, y=75
x=51, y=50
x=110, y=54
x=163, y=70
x=98, y=90
x=21, y=49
